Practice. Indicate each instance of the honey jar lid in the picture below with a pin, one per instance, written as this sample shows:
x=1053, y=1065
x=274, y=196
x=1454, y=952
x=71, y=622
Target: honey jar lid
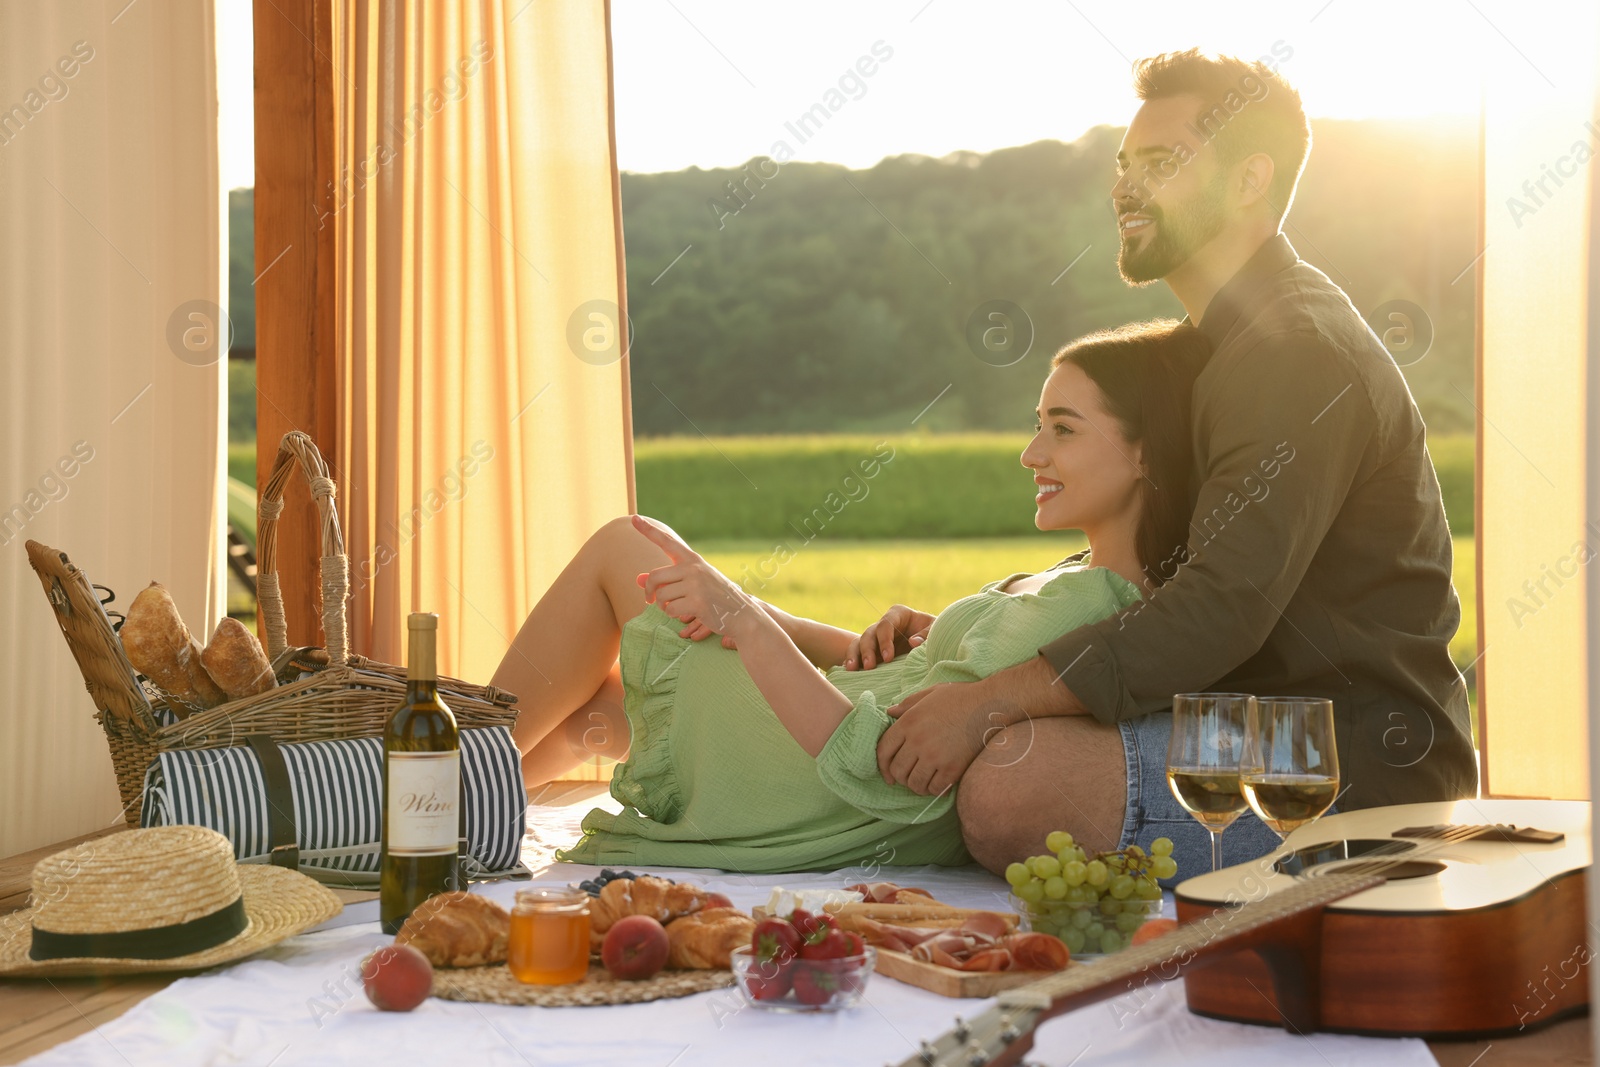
x=552, y=897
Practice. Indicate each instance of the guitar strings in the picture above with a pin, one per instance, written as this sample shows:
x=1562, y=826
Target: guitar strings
x=1413, y=853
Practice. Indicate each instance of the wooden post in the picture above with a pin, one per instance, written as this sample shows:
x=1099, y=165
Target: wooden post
x=294, y=249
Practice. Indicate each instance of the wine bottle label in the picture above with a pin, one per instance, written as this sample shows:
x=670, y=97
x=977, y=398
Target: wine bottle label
x=422, y=812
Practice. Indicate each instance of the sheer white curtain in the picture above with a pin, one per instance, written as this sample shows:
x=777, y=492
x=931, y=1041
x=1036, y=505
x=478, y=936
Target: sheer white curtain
x=111, y=407
x=1541, y=137
x=484, y=418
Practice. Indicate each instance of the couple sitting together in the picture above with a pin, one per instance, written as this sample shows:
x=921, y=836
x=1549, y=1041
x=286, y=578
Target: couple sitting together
x=1262, y=517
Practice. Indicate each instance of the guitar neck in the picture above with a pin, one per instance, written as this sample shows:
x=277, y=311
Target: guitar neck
x=1001, y=1034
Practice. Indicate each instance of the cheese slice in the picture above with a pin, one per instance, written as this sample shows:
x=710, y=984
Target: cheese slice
x=783, y=901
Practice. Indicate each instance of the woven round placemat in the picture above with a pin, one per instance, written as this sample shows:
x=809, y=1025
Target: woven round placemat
x=496, y=985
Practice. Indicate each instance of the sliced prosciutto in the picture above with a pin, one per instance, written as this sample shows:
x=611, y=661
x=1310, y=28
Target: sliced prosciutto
x=1036, y=952
x=889, y=893
x=982, y=943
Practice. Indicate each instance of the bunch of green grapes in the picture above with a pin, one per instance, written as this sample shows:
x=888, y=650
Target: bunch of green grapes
x=1114, y=891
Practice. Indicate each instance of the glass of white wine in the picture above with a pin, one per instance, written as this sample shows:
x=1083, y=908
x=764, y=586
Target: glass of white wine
x=1203, y=758
x=1290, y=773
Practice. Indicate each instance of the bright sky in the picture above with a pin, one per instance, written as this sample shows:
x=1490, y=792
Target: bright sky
x=236, y=118
x=712, y=82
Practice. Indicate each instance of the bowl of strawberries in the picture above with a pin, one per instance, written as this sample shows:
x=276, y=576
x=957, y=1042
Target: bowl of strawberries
x=803, y=962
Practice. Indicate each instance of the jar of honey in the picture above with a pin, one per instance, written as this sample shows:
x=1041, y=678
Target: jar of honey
x=549, y=942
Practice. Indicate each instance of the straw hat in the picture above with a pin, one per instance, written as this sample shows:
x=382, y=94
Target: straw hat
x=167, y=898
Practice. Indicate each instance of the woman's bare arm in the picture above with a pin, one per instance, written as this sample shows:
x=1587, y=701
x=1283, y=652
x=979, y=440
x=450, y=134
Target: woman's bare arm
x=808, y=705
x=825, y=646
x=699, y=595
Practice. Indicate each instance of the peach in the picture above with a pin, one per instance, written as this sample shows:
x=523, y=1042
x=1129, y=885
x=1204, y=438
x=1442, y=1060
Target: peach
x=1153, y=929
x=635, y=947
x=397, y=978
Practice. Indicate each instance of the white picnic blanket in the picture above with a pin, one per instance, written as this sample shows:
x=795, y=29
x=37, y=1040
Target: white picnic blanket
x=301, y=1003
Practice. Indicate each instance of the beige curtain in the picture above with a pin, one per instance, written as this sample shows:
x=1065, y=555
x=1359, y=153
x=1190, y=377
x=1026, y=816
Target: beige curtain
x=1541, y=147
x=111, y=232
x=484, y=390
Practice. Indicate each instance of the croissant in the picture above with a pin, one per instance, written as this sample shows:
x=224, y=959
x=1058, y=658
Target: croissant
x=659, y=898
x=458, y=930
x=705, y=940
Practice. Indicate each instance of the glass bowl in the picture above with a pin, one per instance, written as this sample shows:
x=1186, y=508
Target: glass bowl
x=803, y=985
x=1089, y=930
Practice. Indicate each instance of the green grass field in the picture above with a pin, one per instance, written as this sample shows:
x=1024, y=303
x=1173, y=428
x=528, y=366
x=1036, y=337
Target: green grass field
x=860, y=487
x=922, y=519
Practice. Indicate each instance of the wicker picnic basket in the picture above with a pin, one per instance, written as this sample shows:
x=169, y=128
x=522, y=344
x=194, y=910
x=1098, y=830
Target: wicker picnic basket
x=343, y=696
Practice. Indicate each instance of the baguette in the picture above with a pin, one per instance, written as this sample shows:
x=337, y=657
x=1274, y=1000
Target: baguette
x=234, y=661
x=161, y=648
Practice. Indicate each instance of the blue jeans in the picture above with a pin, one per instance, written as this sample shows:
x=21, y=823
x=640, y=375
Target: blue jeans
x=1154, y=812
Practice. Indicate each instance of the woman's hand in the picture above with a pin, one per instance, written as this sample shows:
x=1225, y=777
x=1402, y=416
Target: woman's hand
x=899, y=631
x=695, y=592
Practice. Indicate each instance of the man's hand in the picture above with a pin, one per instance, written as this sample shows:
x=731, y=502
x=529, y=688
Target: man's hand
x=936, y=735
x=693, y=591
x=899, y=631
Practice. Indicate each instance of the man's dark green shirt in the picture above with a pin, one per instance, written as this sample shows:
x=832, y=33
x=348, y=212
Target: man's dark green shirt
x=1320, y=558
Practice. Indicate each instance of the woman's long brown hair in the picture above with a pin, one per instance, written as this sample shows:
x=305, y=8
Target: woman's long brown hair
x=1145, y=372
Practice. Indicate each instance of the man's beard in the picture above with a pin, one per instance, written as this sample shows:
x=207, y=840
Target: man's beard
x=1178, y=236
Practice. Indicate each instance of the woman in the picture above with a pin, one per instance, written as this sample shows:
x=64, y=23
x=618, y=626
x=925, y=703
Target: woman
x=759, y=753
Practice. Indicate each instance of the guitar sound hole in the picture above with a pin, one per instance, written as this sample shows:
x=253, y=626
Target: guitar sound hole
x=1304, y=860
x=1413, y=869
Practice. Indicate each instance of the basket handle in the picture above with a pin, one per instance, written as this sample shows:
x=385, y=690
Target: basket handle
x=298, y=447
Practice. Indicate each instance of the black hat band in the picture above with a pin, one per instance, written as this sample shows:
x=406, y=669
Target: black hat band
x=154, y=943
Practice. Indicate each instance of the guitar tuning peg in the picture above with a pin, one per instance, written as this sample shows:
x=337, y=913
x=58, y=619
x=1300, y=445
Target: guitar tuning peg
x=927, y=1054
x=962, y=1030
x=976, y=1057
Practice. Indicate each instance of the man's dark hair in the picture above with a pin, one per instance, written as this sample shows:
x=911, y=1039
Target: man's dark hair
x=1245, y=108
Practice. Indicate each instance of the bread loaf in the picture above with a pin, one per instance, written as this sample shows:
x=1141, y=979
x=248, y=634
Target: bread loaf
x=705, y=940
x=458, y=930
x=234, y=661
x=160, y=647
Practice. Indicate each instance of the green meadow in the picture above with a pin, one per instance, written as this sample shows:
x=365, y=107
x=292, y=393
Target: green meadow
x=890, y=487
x=943, y=515
x=839, y=527
x=852, y=583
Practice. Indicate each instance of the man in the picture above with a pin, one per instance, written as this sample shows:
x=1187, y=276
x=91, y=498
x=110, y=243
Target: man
x=1319, y=562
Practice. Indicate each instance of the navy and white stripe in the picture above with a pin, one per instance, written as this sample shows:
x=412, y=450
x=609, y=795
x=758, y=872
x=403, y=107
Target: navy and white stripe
x=337, y=788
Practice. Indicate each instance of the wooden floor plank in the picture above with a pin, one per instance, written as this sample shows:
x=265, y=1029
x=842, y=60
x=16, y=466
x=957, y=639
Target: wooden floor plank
x=1564, y=1044
x=39, y=1015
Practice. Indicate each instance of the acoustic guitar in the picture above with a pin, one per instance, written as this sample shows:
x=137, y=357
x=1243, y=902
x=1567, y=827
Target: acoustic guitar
x=1456, y=920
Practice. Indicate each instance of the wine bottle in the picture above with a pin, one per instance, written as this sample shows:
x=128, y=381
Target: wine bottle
x=421, y=786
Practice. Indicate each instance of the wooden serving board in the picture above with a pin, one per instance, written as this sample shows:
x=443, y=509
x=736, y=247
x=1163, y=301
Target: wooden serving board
x=949, y=982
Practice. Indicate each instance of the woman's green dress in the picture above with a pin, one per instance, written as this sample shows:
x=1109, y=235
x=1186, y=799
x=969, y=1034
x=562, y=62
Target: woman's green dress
x=713, y=779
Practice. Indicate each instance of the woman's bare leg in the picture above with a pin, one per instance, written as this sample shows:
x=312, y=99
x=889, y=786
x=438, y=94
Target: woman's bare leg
x=562, y=656
x=597, y=728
